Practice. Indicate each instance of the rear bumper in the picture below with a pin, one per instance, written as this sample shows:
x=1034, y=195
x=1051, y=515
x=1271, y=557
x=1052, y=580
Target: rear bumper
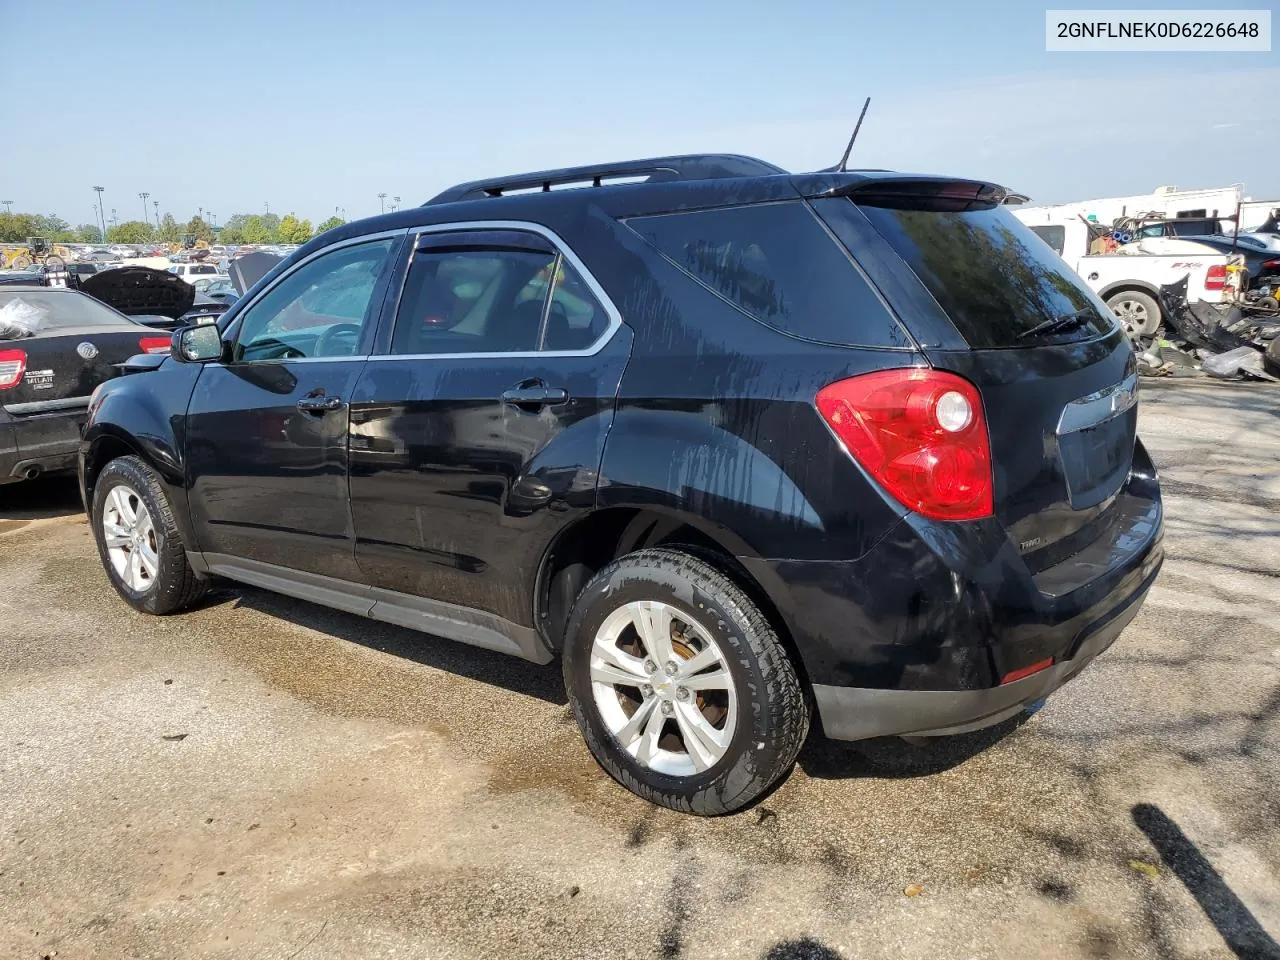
x=916, y=636
x=854, y=713
x=40, y=442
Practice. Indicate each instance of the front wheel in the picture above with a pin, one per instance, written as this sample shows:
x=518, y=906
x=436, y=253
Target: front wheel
x=140, y=545
x=682, y=689
x=21, y=263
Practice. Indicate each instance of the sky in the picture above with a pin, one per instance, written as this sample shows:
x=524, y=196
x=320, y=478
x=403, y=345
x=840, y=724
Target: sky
x=311, y=107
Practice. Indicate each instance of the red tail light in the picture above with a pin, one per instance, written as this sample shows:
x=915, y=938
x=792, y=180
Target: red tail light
x=12, y=364
x=1216, y=278
x=921, y=434
x=155, y=344
x=1271, y=264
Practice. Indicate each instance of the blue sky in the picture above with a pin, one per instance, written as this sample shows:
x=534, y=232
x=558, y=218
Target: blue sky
x=311, y=106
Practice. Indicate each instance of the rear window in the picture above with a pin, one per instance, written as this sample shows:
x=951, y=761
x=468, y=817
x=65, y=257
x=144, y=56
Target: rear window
x=995, y=278
x=64, y=309
x=776, y=263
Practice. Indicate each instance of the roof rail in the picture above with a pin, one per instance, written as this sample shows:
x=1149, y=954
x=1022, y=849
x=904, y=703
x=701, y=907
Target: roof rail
x=711, y=166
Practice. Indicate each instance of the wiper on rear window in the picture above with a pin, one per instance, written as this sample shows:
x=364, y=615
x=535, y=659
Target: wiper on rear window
x=1076, y=319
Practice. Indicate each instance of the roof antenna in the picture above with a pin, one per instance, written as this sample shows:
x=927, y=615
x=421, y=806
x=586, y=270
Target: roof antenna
x=844, y=161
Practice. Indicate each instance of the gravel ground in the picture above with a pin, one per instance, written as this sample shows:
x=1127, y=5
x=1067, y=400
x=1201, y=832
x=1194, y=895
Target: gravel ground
x=266, y=778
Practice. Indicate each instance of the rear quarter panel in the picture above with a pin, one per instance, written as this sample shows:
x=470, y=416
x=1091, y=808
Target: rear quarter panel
x=716, y=420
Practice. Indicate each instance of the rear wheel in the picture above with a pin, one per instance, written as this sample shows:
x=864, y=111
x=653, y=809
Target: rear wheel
x=138, y=542
x=21, y=263
x=682, y=689
x=1137, y=312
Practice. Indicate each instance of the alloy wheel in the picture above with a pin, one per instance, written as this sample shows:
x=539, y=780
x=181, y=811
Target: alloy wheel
x=131, y=538
x=663, y=689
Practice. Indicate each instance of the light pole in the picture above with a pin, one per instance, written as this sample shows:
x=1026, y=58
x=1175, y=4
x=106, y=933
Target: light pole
x=267, y=204
x=396, y=205
x=102, y=214
x=199, y=213
x=382, y=202
x=156, y=203
x=8, y=204
x=115, y=221
x=143, y=196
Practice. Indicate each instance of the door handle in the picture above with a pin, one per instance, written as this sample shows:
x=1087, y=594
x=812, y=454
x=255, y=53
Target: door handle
x=319, y=404
x=535, y=396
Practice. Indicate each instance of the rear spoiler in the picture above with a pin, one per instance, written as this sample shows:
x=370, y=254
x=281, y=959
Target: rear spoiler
x=912, y=191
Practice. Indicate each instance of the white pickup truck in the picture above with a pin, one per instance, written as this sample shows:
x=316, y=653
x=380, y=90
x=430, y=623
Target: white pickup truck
x=1129, y=278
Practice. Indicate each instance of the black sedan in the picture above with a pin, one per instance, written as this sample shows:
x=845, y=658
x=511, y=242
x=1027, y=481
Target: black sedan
x=63, y=346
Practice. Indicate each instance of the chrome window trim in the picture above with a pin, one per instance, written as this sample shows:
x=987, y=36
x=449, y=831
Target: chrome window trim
x=233, y=328
x=1098, y=408
x=562, y=248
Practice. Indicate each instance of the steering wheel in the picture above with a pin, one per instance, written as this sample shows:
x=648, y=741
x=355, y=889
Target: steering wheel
x=328, y=343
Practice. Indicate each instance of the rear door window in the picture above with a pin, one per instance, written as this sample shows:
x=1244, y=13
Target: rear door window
x=777, y=264
x=995, y=279
x=469, y=301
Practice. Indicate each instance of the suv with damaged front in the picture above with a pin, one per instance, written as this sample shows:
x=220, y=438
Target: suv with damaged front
x=746, y=450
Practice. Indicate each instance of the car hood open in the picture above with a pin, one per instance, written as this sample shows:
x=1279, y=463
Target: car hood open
x=251, y=268
x=136, y=291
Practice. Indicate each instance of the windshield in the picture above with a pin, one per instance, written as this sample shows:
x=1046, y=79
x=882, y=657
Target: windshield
x=65, y=309
x=994, y=277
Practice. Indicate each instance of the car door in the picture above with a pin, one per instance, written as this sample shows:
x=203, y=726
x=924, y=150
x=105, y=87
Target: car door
x=478, y=425
x=266, y=437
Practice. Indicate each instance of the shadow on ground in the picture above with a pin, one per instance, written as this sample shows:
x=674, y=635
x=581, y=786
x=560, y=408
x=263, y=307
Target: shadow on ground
x=497, y=669
x=893, y=757
x=44, y=499
x=1226, y=911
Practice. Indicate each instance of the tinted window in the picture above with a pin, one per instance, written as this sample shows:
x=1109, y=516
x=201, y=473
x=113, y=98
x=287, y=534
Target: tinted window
x=1196, y=228
x=473, y=301
x=994, y=277
x=1055, y=237
x=576, y=319
x=318, y=310
x=65, y=309
x=776, y=263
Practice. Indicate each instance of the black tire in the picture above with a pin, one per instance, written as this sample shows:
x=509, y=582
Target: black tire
x=175, y=585
x=772, y=713
x=1147, y=302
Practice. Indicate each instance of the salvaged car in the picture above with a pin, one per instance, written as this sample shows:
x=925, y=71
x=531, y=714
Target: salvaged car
x=745, y=450
x=56, y=346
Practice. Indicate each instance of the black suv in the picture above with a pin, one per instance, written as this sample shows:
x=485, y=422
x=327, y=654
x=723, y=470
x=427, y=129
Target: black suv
x=743, y=448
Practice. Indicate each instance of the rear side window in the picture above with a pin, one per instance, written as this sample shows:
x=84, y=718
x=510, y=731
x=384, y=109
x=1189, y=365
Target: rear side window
x=776, y=263
x=995, y=278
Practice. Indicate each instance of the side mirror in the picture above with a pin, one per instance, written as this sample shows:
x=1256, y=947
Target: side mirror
x=199, y=344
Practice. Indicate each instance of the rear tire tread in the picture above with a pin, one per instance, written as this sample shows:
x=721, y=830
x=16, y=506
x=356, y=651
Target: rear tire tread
x=783, y=699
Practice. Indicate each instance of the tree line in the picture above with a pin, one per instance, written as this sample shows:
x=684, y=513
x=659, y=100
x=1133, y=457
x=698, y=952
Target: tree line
x=253, y=228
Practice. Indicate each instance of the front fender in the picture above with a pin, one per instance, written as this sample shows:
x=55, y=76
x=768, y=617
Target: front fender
x=144, y=415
